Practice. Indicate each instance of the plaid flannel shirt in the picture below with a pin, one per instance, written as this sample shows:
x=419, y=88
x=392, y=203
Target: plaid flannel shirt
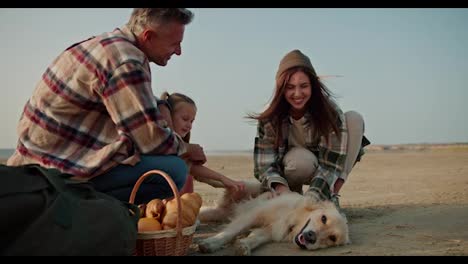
x=268, y=161
x=94, y=109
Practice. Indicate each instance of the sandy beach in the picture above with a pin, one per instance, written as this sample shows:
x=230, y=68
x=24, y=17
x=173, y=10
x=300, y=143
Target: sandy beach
x=399, y=201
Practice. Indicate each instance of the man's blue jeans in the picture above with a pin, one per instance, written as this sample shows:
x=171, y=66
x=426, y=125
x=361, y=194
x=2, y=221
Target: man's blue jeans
x=120, y=180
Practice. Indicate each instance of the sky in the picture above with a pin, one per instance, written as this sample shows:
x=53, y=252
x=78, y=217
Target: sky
x=404, y=70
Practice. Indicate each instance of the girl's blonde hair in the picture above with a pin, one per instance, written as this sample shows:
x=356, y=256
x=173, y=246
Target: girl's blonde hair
x=174, y=100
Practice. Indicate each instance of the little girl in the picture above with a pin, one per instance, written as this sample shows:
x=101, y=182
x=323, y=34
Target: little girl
x=183, y=111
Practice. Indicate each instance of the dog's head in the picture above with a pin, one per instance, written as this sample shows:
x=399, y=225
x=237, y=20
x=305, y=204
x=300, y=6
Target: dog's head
x=320, y=225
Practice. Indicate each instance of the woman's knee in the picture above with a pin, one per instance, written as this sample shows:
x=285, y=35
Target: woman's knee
x=354, y=120
x=299, y=165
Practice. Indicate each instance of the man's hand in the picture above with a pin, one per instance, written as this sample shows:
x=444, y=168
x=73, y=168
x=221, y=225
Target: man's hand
x=195, y=154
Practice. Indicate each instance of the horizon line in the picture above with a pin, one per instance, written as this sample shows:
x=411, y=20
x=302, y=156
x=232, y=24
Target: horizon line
x=376, y=145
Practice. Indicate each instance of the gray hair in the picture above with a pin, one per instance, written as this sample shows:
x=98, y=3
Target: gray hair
x=143, y=17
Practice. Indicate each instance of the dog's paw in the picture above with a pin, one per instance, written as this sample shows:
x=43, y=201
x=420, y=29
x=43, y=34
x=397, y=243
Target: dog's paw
x=208, y=246
x=241, y=248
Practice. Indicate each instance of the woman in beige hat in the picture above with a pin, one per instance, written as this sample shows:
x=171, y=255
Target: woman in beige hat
x=303, y=137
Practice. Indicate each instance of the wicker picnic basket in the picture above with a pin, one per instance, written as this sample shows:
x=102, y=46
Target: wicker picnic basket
x=172, y=242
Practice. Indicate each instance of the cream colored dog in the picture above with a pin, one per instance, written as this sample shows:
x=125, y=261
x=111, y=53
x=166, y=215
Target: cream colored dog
x=302, y=220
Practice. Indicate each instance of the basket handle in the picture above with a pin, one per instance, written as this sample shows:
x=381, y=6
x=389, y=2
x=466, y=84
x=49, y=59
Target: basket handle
x=174, y=190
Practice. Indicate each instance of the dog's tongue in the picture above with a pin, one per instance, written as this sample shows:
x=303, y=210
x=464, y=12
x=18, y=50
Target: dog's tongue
x=300, y=241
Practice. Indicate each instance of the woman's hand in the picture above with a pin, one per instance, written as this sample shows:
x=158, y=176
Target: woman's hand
x=279, y=189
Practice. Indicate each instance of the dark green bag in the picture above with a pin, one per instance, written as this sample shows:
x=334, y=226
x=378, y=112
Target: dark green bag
x=44, y=212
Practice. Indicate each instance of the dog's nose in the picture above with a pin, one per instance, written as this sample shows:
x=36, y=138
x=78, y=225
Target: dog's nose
x=310, y=236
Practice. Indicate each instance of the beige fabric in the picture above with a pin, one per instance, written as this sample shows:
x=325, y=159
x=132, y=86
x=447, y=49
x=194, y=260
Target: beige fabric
x=299, y=167
x=297, y=133
x=355, y=124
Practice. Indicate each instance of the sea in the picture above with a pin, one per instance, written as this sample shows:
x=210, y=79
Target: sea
x=5, y=153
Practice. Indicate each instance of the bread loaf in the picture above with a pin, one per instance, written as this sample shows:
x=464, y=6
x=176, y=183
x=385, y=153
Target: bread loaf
x=155, y=209
x=190, y=202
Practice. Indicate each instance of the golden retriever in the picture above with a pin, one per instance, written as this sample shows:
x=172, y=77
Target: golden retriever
x=300, y=219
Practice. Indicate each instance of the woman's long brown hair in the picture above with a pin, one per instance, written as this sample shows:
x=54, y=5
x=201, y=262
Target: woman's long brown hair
x=320, y=106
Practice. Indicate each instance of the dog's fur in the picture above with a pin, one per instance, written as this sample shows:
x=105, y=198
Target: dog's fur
x=225, y=207
x=303, y=220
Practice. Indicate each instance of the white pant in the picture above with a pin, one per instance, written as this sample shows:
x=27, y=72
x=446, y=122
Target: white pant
x=300, y=163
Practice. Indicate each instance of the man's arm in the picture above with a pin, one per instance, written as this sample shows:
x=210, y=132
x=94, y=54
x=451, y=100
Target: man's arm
x=132, y=106
x=195, y=154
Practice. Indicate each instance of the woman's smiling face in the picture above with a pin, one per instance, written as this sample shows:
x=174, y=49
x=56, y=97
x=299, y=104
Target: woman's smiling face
x=298, y=91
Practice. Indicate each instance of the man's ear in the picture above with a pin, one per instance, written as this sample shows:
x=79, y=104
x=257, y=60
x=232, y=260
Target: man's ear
x=148, y=34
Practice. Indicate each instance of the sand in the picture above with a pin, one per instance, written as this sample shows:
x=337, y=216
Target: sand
x=398, y=202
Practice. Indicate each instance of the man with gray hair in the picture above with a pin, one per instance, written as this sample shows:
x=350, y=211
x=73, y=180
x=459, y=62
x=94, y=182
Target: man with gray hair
x=93, y=114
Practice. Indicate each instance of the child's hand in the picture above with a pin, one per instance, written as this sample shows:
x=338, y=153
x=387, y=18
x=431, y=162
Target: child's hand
x=236, y=186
